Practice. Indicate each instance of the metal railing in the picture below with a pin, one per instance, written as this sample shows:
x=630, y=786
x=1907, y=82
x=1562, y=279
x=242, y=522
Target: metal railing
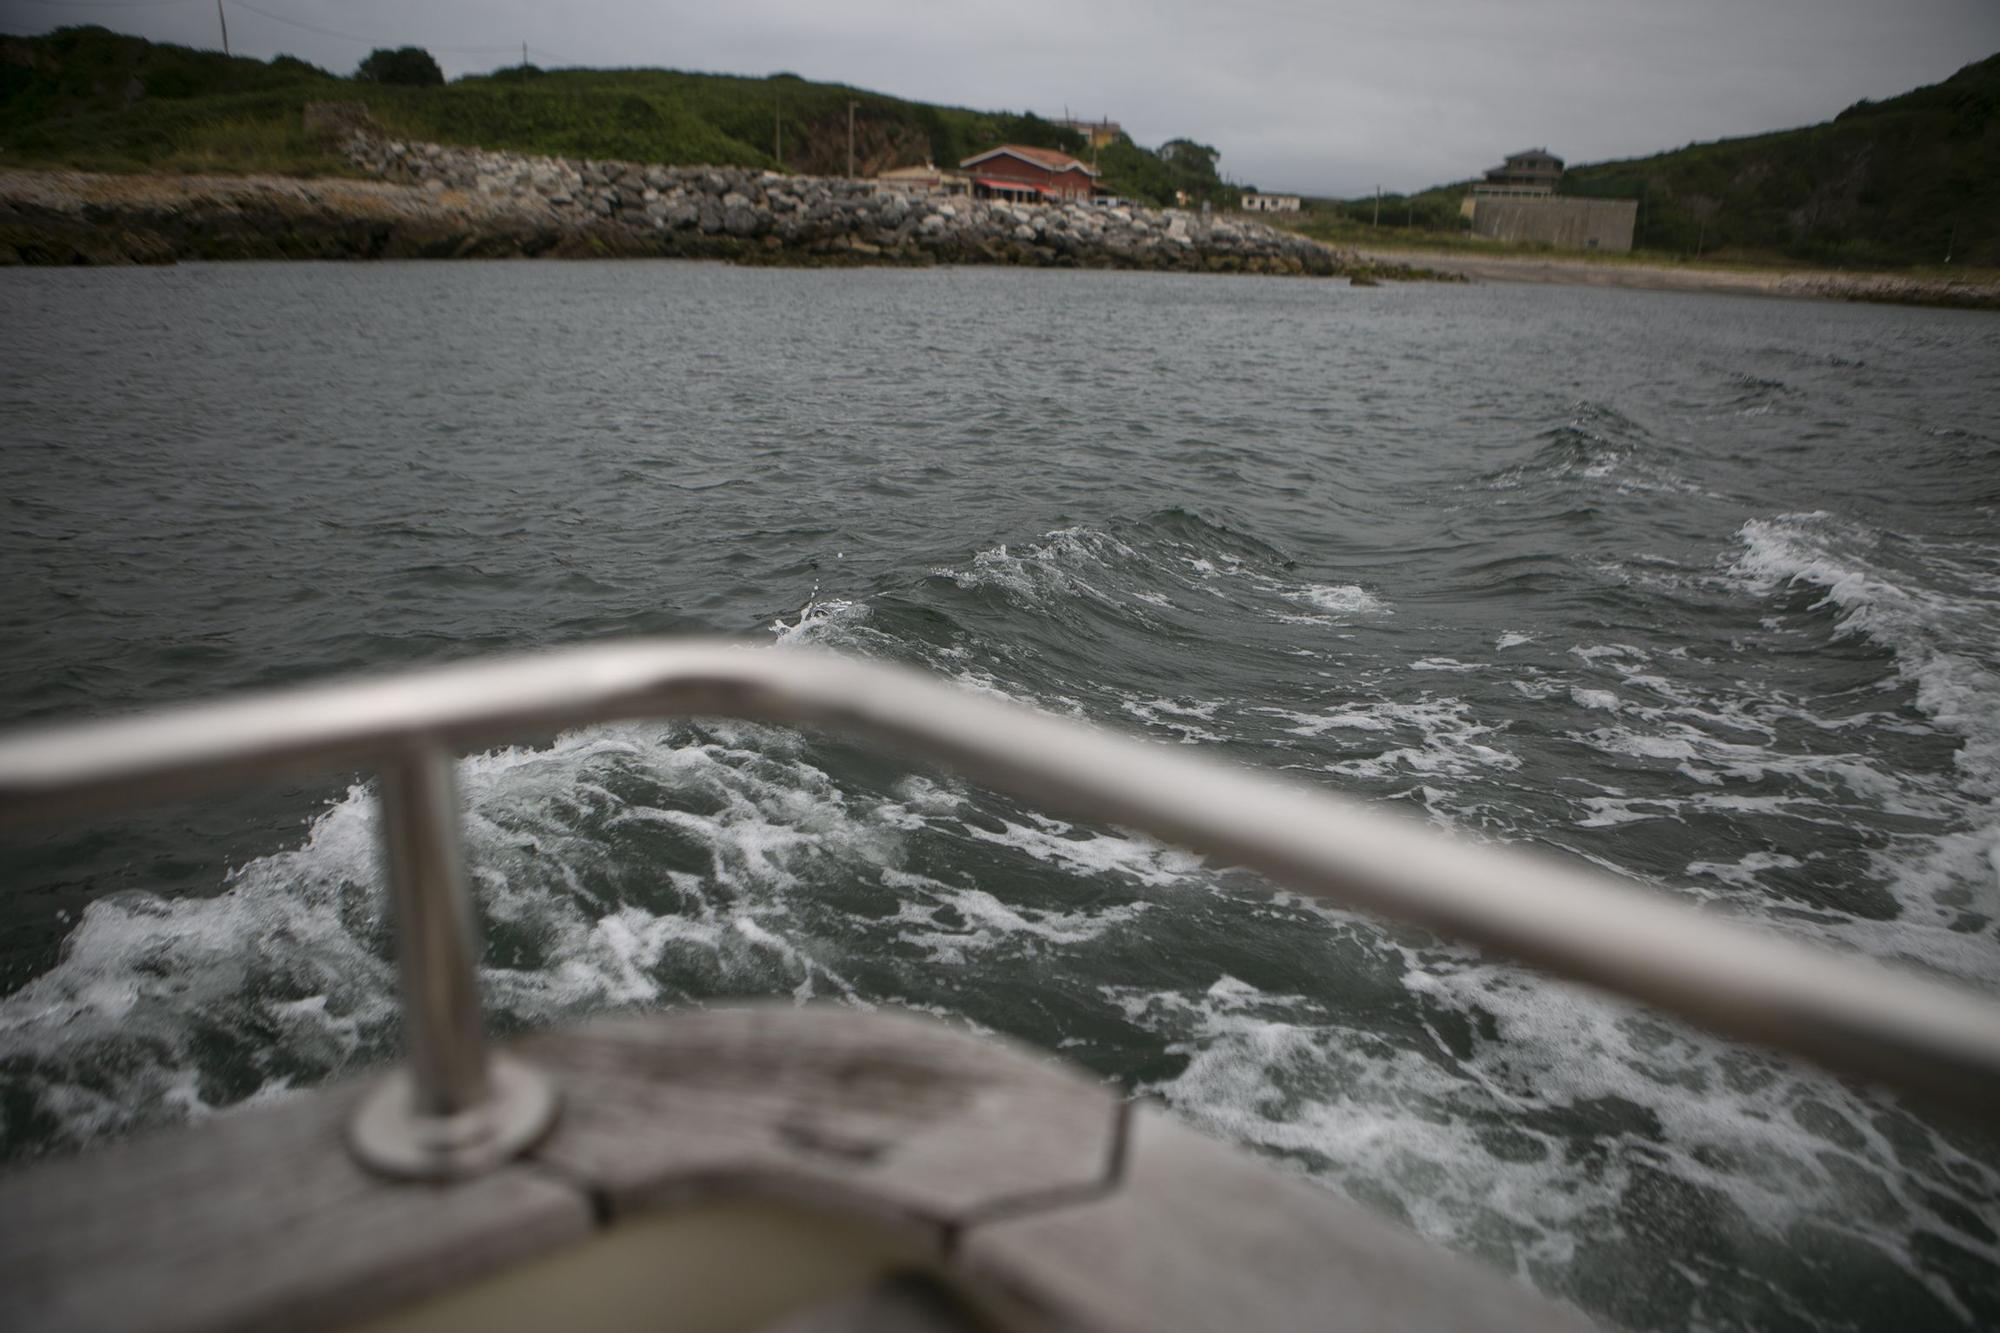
x=453, y=1111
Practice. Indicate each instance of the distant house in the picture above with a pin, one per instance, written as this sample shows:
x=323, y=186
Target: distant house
x=1012, y=171
x=1530, y=172
x=926, y=179
x=1270, y=203
x=1096, y=133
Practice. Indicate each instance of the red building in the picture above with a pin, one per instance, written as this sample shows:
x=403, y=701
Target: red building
x=1013, y=172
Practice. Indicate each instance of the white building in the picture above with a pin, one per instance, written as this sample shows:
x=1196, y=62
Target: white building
x=1270, y=203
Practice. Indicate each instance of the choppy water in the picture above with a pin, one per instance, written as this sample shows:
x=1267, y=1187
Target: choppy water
x=1703, y=589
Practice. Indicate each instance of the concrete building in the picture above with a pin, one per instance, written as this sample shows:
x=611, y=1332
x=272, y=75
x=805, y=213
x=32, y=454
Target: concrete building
x=1271, y=203
x=1012, y=171
x=1565, y=223
x=1533, y=169
x=1533, y=174
x=926, y=179
x=1517, y=201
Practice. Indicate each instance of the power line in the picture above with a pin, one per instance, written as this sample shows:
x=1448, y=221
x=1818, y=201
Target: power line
x=293, y=23
x=303, y=27
x=109, y=4
x=368, y=41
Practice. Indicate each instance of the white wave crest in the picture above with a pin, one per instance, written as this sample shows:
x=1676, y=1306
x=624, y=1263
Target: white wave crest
x=1938, y=619
x=1934, y=633
x=1524, y=1139
x=287, y=971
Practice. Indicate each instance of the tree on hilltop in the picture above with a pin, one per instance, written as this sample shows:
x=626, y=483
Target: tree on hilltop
x=406, y=67
x=1190, y=158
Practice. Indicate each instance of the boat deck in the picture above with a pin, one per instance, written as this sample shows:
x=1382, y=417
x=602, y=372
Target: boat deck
x=758, y=1168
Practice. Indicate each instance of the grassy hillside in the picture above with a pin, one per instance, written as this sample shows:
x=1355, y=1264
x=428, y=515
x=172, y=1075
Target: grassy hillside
x=1898, y=182
x=86, y=97
x=1901, y=183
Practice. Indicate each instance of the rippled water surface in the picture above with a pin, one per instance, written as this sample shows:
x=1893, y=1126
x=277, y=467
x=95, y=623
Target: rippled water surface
x=1703, y=589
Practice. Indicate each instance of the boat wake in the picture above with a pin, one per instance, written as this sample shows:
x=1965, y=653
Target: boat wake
x=1565, y=1137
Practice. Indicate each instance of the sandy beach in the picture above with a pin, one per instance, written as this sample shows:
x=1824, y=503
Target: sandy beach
x=1822, y=284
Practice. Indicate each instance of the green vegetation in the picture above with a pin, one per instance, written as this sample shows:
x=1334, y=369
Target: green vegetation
x=1179, y=166
x=1906, y=181
x=90, y=98
x=405, y=67
x=1336, y=222
x=1912, y=182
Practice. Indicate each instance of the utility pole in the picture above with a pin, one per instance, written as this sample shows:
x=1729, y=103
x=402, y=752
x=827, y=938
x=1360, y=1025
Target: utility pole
x=225, y=26
x=1378, y=208
x=524, y=55
x=850, y=139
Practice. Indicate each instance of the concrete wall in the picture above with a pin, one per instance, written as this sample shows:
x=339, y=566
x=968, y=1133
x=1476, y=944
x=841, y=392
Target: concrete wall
x=1567, y=224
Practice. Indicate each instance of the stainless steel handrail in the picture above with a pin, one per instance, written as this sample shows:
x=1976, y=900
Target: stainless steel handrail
x=449, y=1115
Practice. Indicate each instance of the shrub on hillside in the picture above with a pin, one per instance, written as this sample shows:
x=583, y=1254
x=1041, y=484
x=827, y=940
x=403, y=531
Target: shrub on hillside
x=302, y=68
x=405, y=67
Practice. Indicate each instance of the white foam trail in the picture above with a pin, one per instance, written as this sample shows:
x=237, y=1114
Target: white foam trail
x=1932, y=632
x=819, y=620
x=290, y=963
x=1177, y=716
x=1459, y=1143
x=1047, y=573
x=1056, y=843
x=1940, y=634
x=1442, y=735
x=1340, y=599
x=989, y=923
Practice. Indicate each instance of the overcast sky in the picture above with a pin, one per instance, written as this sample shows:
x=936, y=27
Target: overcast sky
x=1327, y=98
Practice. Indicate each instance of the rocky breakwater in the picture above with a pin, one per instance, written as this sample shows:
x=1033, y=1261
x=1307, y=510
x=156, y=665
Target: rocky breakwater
x=430, y=200
x=753, y=215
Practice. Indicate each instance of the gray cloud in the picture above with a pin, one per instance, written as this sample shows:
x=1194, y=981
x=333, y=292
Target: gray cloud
x=1325, y=99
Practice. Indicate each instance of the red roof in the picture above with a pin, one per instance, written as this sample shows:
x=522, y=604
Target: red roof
x=1046, y=158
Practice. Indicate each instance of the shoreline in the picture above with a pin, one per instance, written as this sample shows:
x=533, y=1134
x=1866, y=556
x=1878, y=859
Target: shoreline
x=442, y=209
x=424, y=201
x=1797, y=284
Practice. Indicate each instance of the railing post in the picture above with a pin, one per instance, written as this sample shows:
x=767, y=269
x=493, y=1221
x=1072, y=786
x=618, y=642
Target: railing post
x=437, y=949
x=451, y=1111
